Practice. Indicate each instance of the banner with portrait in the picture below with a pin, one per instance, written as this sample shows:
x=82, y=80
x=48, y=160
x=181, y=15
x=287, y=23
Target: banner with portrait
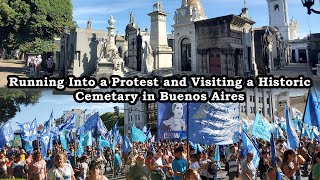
x=172, y=118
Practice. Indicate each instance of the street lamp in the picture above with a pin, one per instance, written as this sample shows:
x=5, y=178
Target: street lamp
x=308, y=4
x=65, y=33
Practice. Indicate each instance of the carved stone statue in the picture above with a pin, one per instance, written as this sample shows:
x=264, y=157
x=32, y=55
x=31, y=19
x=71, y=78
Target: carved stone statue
x=194, y=13
x=131, y=18
x=184, y=3
x=157, y=6
x=117, y=60
x=104, y=46
x=175, y=17
x=111, y=21
x=148, y=57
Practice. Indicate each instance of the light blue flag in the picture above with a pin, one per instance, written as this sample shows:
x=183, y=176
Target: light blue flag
x=80, y=149
x=250, y=147
x=145, y=129
x=101, y=128
x=29, y=130
x=292, y=137
x=120, y=139
x=7, y=132
x=69, y=124
x=45, y=141
x=49, y=124
x=89, y=125
x=70, y=137
x=138, y=135
x=152, y=148
x=113, y=145
x=103, y=142
x=126, y=146
x=28, y=146
x=63, y=141
x=217, y=156
x=87, y=141
x=195, y=146
x=312, y=110
x=148, y=134
x=261, y=129
x=210, y=122
x=115, y=129
x=199, y=148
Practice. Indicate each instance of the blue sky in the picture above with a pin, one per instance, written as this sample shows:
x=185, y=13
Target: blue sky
x=57, y=103
x=100, y=10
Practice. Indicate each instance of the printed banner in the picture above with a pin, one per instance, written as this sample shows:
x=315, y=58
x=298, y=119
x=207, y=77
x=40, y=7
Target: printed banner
x=172, y=121
x=214, y=123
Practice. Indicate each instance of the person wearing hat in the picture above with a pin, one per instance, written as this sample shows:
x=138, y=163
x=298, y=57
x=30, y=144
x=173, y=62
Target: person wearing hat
x=179, y=164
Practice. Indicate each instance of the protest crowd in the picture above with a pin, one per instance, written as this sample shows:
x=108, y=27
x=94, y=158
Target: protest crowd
x=285, y=149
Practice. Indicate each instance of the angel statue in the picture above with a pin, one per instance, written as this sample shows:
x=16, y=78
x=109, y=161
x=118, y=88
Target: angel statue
x=148, y=57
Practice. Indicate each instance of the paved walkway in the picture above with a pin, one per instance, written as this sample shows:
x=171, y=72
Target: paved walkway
x=11, y=67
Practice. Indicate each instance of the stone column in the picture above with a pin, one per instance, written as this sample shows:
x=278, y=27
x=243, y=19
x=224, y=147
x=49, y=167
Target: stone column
x=158, y=38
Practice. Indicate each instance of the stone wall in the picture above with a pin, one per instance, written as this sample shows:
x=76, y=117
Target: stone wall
x=84, y=49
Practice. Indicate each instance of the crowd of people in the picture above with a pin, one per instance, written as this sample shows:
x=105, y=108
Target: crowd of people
x=170, y=160
x=35, y=65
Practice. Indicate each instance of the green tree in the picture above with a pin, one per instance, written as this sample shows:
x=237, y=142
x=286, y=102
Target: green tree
x=24, y=22
x=111, y=118
x=12, y=100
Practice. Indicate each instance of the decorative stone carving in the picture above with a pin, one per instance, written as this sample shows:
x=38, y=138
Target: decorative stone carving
x=148, y=58
x=194, y=13
x=111, y=21
x=157, y=7
x=184, y=3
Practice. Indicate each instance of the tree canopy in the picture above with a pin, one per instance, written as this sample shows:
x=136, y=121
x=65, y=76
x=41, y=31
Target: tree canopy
x=24, y=22
x=110, y=119
x=12, y=100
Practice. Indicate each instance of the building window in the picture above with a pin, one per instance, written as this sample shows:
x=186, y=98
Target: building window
x=254, y=98
x=268, y=109
x=259, y=99
x=130, y=118
x=276, y=7
x=138, y=117
x=268, y=100
x=250, y=98
x=251, y=109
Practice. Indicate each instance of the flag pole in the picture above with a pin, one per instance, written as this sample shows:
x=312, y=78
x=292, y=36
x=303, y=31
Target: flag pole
x=188, y=133
x=305, y=108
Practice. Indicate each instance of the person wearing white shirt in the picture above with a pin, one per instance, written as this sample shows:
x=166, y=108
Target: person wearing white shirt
x=61, y=170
